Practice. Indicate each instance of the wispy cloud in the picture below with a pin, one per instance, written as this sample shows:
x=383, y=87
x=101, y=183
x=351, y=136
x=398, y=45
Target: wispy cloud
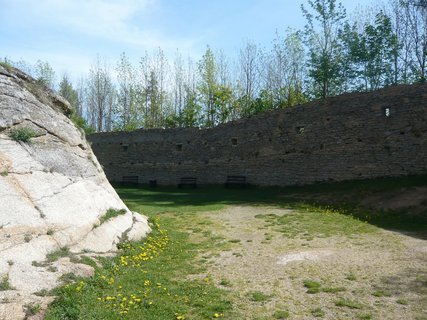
x=119, y=21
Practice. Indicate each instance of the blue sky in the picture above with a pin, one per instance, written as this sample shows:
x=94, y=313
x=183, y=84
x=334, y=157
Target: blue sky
x=69, y=34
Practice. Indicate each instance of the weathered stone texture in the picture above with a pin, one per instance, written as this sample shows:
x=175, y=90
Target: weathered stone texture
x=352, y=136
x=52, y=193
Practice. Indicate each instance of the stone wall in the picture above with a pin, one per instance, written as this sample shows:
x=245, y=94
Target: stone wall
x=352, y=136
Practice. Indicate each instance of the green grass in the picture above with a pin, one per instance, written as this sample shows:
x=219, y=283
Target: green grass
x=342, y=302
x=32, y=309
x=318, y=313
x=312, y=286
x=402, y=302
x=6, y=65
x=381, y=293
x=111, y=213
x=315, y=287
x=22, y=134
x=258, y=296
x=148, y=280
x=173, y=284
x=55, y=255
x=281, y=314
x=306, y=198
x=4, y=284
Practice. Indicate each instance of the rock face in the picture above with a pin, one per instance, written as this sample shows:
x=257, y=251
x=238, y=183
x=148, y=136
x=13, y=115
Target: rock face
x=53, y=193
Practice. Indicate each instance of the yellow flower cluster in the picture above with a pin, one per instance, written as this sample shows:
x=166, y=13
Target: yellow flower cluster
x=179, y=316
x=122, y=303
x=80, y=286
x=134, y=258
x=151, y=248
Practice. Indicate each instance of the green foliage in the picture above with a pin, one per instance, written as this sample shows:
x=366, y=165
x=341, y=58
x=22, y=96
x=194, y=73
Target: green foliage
x=4, y=284
x=281, y=314
x=342, y=302
x=67, y=91
x=23, y=134
x=7, y=65
x=402, y=301
x=111, y=213
x=45, y=75
x=318, y=313
x=312, y=286
x=55, y=255
x=325, y=58
x=32, y=309
x=381, y=293
x=371, y=53
x=80, y=122
x=147, y=280
x=316, y=287
x=258, y=296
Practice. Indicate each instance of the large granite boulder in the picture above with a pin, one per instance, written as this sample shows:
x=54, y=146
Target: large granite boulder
x=53, y=195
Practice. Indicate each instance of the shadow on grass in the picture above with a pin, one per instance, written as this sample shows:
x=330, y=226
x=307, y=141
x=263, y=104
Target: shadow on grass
x=152, y=201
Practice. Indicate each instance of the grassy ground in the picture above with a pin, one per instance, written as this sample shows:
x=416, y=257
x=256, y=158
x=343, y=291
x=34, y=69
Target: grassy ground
x=176, y=272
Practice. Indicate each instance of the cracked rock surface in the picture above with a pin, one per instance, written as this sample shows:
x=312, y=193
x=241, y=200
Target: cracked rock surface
x=52, y=193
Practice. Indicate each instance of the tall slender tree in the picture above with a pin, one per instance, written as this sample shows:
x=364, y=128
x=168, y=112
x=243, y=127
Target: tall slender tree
x=207, y=86
x=324, y=19
x=101, y=96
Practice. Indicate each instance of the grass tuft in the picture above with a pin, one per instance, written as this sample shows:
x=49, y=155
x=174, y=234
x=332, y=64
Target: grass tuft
x=5, y=285
x=258, y=296
x=318, y=313
x=23, y=134
x=348, y=303
x=281, y=314
x=111, y=213
x=55, y=255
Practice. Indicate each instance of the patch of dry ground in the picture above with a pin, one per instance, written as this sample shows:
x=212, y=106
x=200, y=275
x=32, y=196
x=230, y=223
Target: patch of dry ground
x=377, y=275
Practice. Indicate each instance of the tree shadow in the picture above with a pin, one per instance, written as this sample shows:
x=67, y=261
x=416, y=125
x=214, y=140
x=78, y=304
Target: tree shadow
x=344, y=197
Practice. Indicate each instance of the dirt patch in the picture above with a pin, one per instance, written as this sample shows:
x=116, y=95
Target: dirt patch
x=374, y=275
x=304, y=256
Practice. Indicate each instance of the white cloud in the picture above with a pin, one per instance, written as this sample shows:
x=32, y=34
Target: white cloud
x=118, y=21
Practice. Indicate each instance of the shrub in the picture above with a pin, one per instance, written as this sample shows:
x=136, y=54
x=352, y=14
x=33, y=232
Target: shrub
x=22, y=134
x=6, y=65
x=4, y=284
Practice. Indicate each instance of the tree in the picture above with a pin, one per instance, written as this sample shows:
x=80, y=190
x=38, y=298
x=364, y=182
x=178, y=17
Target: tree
x=325, y=57
x=416, y=18
x=126, y=112
x=249, y=79
x=372, y=53
x=152, y=94
x=101, y=96
x=67, y=91
x=207, y=86
x=45, y=74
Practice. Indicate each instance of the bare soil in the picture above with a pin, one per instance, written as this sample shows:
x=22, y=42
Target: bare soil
x=377, y=275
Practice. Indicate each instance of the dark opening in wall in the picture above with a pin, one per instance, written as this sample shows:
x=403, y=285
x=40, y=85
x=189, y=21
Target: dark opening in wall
x=178, y=147
x=299, y=129
x=234, y=141
x=124, y=147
